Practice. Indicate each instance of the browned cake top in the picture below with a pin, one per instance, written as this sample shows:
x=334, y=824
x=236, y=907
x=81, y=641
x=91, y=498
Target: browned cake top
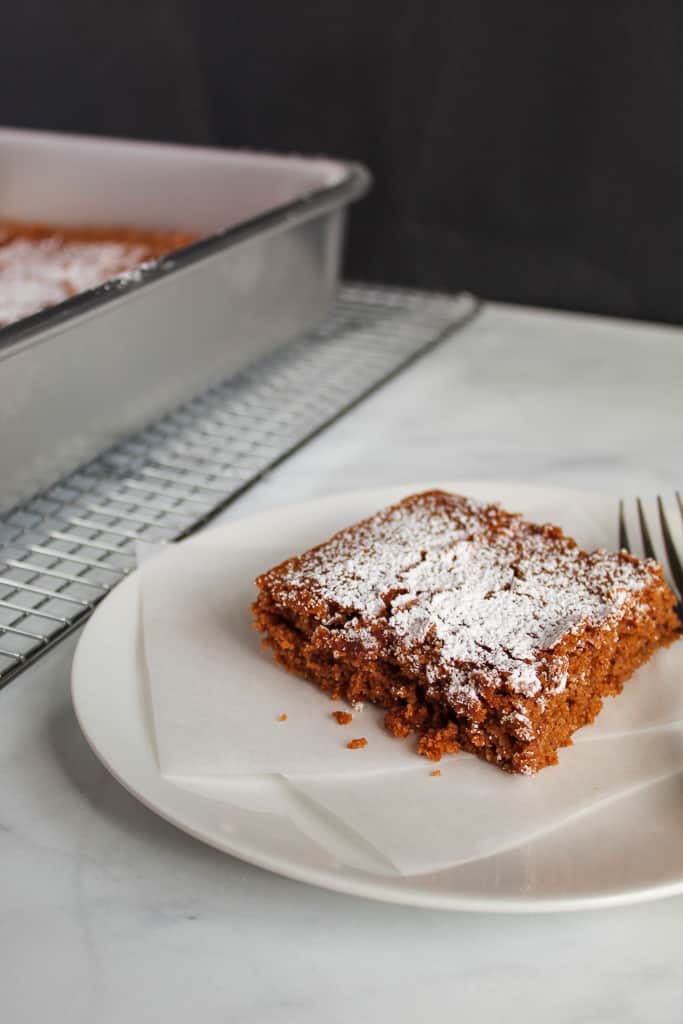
x=443, y=584
x=41, y=266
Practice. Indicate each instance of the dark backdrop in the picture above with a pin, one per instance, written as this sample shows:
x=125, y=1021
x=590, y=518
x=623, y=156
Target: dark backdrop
x=523, y=149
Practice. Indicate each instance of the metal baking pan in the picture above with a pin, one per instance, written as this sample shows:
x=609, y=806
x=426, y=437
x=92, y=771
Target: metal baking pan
x=78, y=376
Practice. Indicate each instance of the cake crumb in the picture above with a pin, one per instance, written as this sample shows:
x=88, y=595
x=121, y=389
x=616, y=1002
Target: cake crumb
x=437, y=742
x=283, y=717
x=342, y=717
x=357, y=744
x=435, y=773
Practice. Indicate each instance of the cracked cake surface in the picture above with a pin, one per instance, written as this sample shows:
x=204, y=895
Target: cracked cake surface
x=472, y=626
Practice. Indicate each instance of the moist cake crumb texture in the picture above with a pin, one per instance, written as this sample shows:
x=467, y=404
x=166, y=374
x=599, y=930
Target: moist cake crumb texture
x=473, y=627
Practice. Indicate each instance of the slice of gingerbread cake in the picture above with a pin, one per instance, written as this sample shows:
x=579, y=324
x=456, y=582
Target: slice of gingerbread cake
x=473, y=628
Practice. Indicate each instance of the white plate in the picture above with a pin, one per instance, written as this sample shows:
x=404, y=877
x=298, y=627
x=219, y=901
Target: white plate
x=619, y=852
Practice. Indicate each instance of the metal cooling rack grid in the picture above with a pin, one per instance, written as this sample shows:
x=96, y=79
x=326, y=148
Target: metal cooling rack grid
x=62, y=551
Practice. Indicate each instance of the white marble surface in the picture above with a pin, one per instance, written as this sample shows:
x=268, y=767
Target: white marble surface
x=107, y=914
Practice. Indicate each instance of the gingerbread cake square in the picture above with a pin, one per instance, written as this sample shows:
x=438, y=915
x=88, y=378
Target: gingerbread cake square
x=473, y=627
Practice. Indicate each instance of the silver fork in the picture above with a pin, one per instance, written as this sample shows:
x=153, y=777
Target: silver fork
x=672, y=555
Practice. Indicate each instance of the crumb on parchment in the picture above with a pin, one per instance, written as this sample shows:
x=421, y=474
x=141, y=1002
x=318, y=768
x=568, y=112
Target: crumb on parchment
x=357, y=744
x=342, y=717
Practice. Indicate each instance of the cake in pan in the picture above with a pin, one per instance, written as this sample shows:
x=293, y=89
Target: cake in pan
x=41, y=266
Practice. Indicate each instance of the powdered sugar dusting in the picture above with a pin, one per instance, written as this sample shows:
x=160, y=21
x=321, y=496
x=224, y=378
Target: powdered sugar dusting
x=36, y=273
x=472, y=594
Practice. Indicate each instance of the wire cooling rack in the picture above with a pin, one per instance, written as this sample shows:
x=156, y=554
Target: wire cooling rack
x=62, y=551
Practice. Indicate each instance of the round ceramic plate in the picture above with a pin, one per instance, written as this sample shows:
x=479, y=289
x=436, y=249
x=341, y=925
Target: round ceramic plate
x=615, y=851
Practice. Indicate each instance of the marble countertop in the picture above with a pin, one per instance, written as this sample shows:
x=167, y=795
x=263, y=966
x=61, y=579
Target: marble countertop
x=108, y=914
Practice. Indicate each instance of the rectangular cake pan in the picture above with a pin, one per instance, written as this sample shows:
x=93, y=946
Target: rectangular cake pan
x=79, y=376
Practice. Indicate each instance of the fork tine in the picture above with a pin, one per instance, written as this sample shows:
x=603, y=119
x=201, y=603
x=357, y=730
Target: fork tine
x=623, y=535
x=672, y=554
x=644, y=532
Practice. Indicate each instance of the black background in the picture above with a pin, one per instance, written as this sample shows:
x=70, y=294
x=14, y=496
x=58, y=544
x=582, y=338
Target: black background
x=527, y=151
